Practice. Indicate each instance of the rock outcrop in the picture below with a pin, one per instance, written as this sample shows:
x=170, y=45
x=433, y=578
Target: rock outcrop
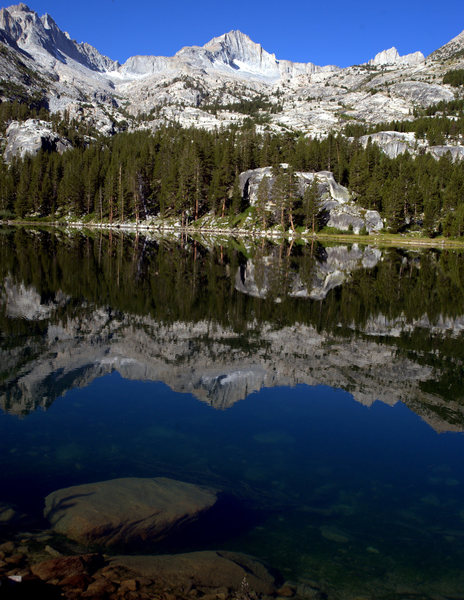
x=393, y=143
x=337, y=209
x=392, y=57
x=123, y=512
x=456, y=152
x=30, y=136
x=350, y=217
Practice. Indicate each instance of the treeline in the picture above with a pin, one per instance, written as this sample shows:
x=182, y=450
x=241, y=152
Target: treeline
x=447, y=124
x=188, y=173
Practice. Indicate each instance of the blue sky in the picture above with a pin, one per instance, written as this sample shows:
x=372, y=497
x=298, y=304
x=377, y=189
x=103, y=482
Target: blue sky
x=322, y=31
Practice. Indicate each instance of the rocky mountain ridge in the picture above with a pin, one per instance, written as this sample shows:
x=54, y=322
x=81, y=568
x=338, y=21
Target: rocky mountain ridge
x=230, y=68
x=392, y=57
x=41, y=38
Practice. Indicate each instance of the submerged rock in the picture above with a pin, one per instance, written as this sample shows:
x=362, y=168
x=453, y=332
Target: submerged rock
x=208, y=569
x=62, y=568
x=7, y=514
x=212, y=574
x=121, y=512
x=10, y=517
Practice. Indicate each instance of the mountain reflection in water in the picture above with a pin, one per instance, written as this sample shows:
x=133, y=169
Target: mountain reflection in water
x=221, y=322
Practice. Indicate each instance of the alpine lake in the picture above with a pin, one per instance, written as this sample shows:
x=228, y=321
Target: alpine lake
x=318, y=388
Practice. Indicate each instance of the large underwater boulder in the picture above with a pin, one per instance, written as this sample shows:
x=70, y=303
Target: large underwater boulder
x=121, y=512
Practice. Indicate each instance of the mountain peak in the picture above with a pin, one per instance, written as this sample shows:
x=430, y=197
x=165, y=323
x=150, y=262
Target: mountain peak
x=231, y=37
x=238, y=50
x=236, y=42
x=34, y=35
x=18, y=10
x=21, y=7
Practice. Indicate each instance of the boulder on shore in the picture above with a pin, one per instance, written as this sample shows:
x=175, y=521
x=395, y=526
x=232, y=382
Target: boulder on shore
x=121, y=512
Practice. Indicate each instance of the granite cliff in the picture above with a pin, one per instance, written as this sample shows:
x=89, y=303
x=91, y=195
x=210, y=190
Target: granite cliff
x=336, y=204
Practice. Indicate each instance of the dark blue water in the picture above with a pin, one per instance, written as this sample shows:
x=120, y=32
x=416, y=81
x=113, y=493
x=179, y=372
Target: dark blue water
x=326, y=488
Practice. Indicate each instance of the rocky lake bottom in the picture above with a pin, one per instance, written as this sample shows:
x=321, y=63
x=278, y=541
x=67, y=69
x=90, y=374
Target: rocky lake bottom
x=222, y=422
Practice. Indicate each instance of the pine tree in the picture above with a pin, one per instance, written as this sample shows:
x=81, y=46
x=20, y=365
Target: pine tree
x=262, y=200
x=393, y=205
x=311, y=205
x=22, y=204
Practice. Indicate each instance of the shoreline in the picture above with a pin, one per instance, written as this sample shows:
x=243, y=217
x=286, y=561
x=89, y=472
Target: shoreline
x=386, y=239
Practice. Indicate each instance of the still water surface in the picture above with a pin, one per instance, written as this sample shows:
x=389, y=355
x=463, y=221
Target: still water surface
x=320, y=388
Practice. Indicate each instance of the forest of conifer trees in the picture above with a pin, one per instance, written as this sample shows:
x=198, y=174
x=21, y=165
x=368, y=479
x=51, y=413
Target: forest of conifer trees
x=189, y=173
